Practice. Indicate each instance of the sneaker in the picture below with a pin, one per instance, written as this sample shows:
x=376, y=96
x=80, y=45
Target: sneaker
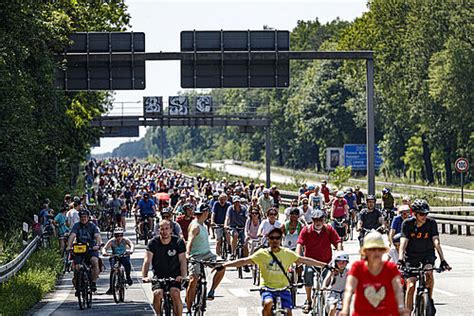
x=246, y=269
x=210, y=295
x=129, y=281
x=93, y=286
x=76, y=293
x=109, y=292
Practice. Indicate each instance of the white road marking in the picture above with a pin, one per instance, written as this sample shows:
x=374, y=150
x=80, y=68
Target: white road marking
x=459, y=250
x=226, y=280
x=242, y=311
x=239, y=292
x=444, y=292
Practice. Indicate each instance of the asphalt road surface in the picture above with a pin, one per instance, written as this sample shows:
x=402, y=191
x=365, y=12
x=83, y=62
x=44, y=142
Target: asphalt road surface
x=453, y=293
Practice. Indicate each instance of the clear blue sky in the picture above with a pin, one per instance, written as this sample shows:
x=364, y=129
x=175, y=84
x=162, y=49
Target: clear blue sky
x=162, y=21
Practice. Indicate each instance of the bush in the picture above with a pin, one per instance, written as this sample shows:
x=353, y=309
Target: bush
x=340, y=176
x=35, y=279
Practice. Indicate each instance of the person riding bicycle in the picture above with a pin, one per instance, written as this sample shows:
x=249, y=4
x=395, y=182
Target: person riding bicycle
x=86, y=232
x=268, y=224
x=175, y=227
x=317, y=241
x=184, y=220
x=396, y=226
x=265, y=201
x=306, y=210
x=198, y=248
x=147, y=209
x=235, y=218
x=291, y=229
x=273, y=277
x=359, y=196
x=119, y=247
x=166, y=254
x=340, y=210
x=316, y=199
x=375, y=283
x=387, y=199
x=418, y=242
x=369, y=218
x=336, y=281
x=251, y=228
x=116, y=205
x=219, y=212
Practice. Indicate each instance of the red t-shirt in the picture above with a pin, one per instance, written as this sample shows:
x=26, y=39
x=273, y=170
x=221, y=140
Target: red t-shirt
x=339, y=209
x=325, y=192
x=181, y=220
x=374, y=294
x=318, y=245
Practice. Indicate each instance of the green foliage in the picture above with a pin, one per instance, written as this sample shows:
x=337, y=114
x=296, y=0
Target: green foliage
x=34, y=280
x=339, y=176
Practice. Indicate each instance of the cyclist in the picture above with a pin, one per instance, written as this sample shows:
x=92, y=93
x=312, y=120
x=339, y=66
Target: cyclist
x=184, y=220
x=198, y=248
x=359, y=196
x=275, y=194
x=147, y=209
x=369, y=218
x=72, y=216
x=340, y=210
x=272, y=275
x=293, y=204
x=46, y=214
x=396, y=226
x=418, y=242
x=87, y=233
x=336, y=281
x=236, y=217
x=392, y=254
x=60, y=222
x=325, y=191
x=219, y=212
x=316, y=199
x=316, y=240
x=251, y=228
x=291, y=229
x=306, y=210
x=268, y=224
x=387, y=199
x=116, y=205
x=376, y=283
x=119, y=246
x=175, y=227
x=265, y=201
x=166, y=254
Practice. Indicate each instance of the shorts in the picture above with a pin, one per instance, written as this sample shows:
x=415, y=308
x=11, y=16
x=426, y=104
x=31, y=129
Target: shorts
x=234, y=230
x=155, y=285
x=333, y=298
x=219, y=231
x=84, y=258
x=285, y=297
x=309, y=275
x=415, y=262
x=118, y=217
x=195, y=269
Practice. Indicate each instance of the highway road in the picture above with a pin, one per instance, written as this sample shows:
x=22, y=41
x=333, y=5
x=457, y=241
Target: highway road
x=243, y=171
x=453, y=293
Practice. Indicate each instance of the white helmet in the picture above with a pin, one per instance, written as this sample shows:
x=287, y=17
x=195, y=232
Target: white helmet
x=118, y=230
x=340, y=194
x=341, y=256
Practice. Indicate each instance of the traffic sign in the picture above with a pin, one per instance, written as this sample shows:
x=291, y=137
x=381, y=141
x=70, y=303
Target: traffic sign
x=355, y=155
x=152, y=106
x=178, y=105
x=203, y=104
x=121, y=131
x=461, y=165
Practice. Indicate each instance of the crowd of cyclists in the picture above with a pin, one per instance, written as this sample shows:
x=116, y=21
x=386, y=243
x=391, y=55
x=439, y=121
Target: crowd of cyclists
x=177, y=216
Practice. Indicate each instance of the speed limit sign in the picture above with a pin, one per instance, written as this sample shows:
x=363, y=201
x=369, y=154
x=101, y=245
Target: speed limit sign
x=461, y=165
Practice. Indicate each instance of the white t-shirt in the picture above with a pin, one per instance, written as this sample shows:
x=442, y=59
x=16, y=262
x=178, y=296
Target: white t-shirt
x=308, y=215
x=72, y=217
x=287, y=213
x=316, y=200
x=265, y=227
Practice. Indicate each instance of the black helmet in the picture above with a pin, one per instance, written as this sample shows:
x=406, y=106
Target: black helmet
x=420, y=206
x=84, y=213
x=204, y=207
x=188, y=205
x=371, y=197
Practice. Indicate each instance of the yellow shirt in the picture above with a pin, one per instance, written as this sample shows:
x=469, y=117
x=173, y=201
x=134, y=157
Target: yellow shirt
x=270, y=273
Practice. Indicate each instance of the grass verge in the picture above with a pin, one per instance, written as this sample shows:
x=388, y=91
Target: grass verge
x=37, y=277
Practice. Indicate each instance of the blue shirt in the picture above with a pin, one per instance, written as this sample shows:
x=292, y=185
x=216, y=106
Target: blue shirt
x=397, y=224
x=350, y=200
x=85, y=233
x=220, y=212
x=146, y=208
x=44, y=214
x=61, y=220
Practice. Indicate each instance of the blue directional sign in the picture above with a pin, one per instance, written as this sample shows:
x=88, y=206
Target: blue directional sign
x=355, y=155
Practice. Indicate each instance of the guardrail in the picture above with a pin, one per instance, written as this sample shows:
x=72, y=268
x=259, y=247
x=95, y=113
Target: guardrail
x=11, y=268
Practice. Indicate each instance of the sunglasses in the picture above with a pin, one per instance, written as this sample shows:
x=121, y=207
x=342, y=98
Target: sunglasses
x=305, y=203
x=274, y=237
x=121, y=235
x=272, y=214
x=422, y=214
x=254, y=213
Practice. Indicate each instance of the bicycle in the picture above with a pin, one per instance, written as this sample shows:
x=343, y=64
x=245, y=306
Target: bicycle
x=167, y=304
x=83, y=276
x=119, y=282
x=200, y=298
x=293, y=276
x=318, y=296
x=225, y=245
x=277, y=308
x=147, y=229
x=46, y=235
x=255, y=244
x=423, y=304
x=365, y=231
x=341, y=226
x=240, y=250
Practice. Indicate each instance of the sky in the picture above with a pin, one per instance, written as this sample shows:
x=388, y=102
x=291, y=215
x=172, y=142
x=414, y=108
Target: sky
x=163, y=20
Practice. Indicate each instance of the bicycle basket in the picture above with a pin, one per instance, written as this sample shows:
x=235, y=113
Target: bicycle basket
x=79, y=248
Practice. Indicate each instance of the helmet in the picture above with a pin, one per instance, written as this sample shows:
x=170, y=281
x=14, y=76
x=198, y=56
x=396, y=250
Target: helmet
x=84, y=213
x=311, y=187
x=294, y=210
x=396, y=238
x=340, y=194
x=215, y=194
x=317, y=214
x=385, y=190
x=265, y=191
x=166, y=210
x=371, y=197
x=420, y=206
x=118, y=230
x=202, y=208
x=349, y=190
x=188, y=205
x=341, y=256
x=235, y=198
x=357, y=187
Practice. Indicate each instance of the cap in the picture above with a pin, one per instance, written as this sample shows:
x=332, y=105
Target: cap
x=84, y=213
x=235, y=198
x=265, y=191
x=373, y=240
x=404, y=208
x=201, y=209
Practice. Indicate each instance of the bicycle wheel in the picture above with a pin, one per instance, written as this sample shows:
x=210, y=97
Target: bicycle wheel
x=81, y=297
x=240, y=254
x=223, y=249
x=116, y=287
x=166, y=309
x=423, y=306
x=197, y=301
x=88, y=289
x=122, y=286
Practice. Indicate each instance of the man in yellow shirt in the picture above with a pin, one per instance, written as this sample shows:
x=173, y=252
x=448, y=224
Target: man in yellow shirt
x=272, y=276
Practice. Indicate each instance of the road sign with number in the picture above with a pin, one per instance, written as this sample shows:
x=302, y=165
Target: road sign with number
x=152, y=106
x=461, y=165
x=178, y=105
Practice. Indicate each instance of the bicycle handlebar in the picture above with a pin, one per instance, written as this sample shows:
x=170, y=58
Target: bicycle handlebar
x=268, y=289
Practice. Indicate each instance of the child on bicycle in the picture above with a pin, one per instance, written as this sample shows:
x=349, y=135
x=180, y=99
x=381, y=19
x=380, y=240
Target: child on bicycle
x=335, y=282
x=119, y=247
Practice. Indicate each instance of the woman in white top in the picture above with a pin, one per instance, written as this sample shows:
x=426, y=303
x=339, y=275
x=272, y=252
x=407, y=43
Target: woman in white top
x=251, y=228
x=268, y=224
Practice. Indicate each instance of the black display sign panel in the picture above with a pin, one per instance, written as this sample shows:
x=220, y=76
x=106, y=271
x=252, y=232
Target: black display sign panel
x=227, y=73
x=121, y=131
x=105, y=72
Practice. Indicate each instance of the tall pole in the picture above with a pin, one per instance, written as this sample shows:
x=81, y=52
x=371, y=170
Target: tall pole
x=462, y=189
x=268, y=152
x=162, y=146
x=370, y=127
